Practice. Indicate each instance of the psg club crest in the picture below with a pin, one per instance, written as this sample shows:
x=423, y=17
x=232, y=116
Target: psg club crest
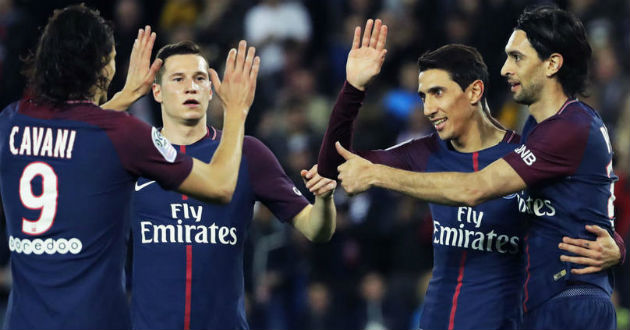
x=163, y=146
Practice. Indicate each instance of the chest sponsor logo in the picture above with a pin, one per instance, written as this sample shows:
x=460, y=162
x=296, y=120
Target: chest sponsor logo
x=467, y=234
x=528, y=157
x=140, y=186
x=536, y=206
x=163, y=146
x=187, y=228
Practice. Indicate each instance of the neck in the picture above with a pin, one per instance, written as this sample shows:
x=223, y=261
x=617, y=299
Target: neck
x=551, y=99
x=184, y=133
x=480, y=134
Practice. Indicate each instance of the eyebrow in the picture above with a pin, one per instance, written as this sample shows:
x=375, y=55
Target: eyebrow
x=431, y=90
x=514, y=53
x=182, y=74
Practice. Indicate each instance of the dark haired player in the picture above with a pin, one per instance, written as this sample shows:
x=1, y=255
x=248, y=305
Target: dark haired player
x=68, y=167
x=188, y=255
x=478, y=266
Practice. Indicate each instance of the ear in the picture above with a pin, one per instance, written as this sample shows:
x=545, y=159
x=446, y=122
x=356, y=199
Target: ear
x=475, y=91
x=157, y=92
x=211, y=92
x=554, y=63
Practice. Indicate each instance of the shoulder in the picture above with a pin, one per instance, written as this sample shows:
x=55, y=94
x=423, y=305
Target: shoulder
x=430, y=143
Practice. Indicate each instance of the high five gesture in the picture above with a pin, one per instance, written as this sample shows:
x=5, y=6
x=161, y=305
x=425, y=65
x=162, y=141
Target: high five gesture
x=367, y=55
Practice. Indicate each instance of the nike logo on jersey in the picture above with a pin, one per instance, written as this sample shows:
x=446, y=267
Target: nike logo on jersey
x=140, y=186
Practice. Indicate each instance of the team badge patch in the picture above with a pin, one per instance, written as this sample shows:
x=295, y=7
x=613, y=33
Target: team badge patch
x=163, y=146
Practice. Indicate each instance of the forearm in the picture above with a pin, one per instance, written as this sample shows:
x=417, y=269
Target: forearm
x=121, y=101
x=448, y=188
x=622, y=247
x=318, y=221
x=340, y=128
x=224, y=166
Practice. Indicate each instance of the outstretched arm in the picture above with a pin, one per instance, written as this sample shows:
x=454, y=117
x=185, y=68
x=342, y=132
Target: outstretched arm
x=141, y=72
x=450, y=188
x=215, y=182
x=318, y=221
x=364, y=63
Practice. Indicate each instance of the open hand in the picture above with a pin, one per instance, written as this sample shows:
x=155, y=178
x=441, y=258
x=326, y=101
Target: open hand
x=365, y=61
x=141, y=73
x=317, y=184
x=597, y=255
x=236, y=91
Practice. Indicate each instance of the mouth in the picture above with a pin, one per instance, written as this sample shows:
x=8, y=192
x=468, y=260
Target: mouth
x=439, y=123
x=514, y=85
x=191, y=103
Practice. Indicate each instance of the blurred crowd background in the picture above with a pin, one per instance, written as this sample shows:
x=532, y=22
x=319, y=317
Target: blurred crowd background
x=374, y=272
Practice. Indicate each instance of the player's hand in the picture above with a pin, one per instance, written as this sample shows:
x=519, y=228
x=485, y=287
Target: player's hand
x=317, y=184
x=597, y=255
x=236, y=91
x=365, y=60
x=141, y=73
x=354, y=172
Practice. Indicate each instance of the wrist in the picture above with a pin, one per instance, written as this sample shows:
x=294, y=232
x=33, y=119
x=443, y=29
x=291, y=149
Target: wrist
x=354, y=84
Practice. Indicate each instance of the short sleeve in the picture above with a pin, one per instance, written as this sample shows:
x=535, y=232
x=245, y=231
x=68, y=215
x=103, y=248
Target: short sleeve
x=145, y=152
x=554, y=149
x=270, y=183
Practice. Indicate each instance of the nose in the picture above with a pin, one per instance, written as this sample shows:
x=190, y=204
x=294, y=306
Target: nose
x=192, y=87
x=506, y=70
x=429, y=107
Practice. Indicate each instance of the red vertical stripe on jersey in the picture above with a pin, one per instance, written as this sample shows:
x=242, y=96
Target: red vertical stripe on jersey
x=527, y=278
x=182, y=149
x=458, y=288
x=188, y=287
x=462, y=263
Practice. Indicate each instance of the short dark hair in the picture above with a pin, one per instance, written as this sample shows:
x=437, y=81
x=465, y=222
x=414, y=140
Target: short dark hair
x=549, y=30
x=71, y=53
x=463, y=63
x=179, y=48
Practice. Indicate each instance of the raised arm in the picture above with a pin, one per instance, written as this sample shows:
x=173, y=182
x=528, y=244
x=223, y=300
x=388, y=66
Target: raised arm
x=364, y=63
x=215, y=182
x=141, y=72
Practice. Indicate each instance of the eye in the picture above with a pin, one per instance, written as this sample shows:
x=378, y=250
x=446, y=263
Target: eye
x=438, y=92
x=517, y=57
x=201, y=78
x=178, y=79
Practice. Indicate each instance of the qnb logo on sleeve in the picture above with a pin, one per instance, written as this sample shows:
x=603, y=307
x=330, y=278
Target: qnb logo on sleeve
x=527, y=156
x=163, y=146
x=40, y=246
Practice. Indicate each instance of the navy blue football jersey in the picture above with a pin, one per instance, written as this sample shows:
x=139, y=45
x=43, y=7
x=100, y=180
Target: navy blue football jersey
x=66, y=180
x=478, y=261
x=566, y=162
x=188, y=255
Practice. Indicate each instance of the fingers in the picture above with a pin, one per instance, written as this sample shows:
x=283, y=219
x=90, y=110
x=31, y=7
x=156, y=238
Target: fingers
x=581, y=261
x=367, y=33
x=382, y=38
x=230, y=63
x=240, y=57
x=214, y=78
x=249, y=60
x=587, y=270
x=157, y=64
x=580, y=250
x=375, y=33
x=578, y=242
x=597, y=230
x=357, y=37
x=253, y=75
x=343, y=151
